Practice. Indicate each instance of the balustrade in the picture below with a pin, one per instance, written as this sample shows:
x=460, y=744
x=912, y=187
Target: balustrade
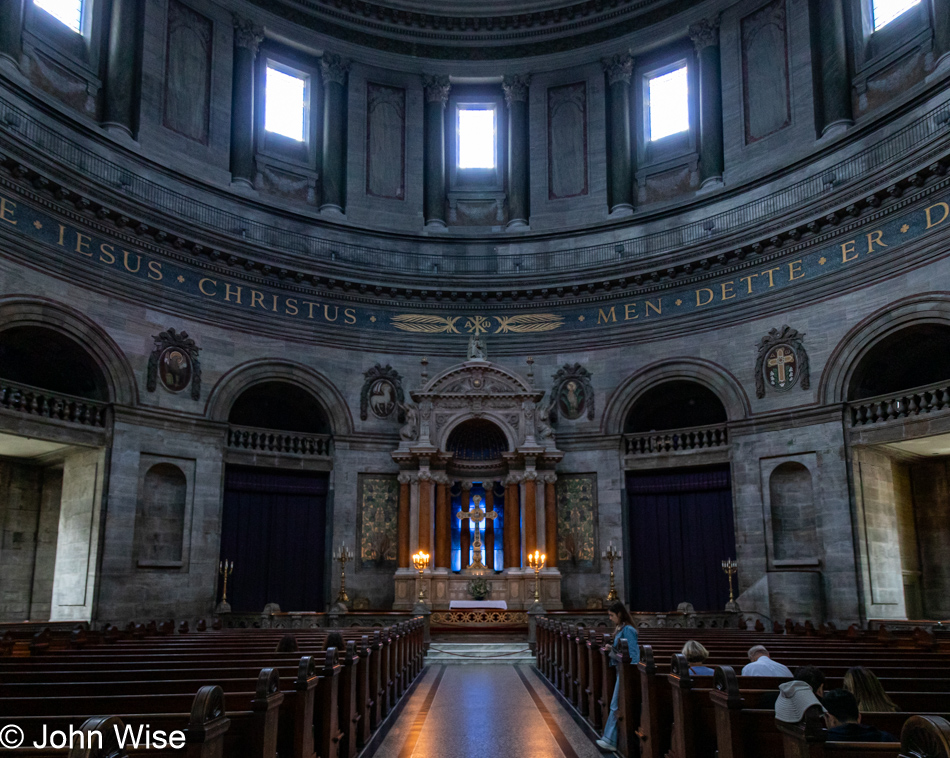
x=676, y=440
x=908, y=404
x=52, y=405
x=274, y=441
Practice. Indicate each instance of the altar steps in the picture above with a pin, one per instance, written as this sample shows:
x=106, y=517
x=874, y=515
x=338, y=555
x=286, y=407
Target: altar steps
x=506, y=653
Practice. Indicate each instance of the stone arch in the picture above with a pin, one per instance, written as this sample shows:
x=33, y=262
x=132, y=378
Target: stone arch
x=230, y=386
x=927, y=308
x=112, y=362
x=711, y=375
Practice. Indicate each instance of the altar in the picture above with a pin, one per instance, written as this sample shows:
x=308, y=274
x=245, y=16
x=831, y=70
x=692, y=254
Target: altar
x=478, y=605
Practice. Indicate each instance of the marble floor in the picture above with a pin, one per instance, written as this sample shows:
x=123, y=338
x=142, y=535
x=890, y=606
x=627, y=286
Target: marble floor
x=476, y=711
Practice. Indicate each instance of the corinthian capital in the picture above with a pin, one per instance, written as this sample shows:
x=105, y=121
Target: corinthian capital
x=516, y=88
x=704, y=33
x=550, y=477
x=247, y=34
x=619, y=68
x=334, y=68
x=437, y=88
x=404, y=477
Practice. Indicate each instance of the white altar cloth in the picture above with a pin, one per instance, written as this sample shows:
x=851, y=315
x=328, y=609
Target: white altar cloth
x=500, y=605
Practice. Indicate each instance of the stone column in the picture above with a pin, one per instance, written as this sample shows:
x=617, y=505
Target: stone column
x=530, y=511
x=437, y=94
x=11, y=29
x=490, y=527
x=247, y=40
x=550, y=519
x=121, y=85
x=516, y=96
x=705, y=36
x=402, y=524
x=619, y=69
x=512, y=524
x=832, y=72
x=425, y=513
x=443, y=534
x=466, y=525
x=334, y=68
x=942, y=32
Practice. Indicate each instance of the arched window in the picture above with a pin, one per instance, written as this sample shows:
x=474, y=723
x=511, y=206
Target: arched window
x=43, y=358
x=279, y=405
x=913, y=357
x=677, y=404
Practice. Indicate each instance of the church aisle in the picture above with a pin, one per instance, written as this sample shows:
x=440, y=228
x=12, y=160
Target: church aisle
x=474, y=710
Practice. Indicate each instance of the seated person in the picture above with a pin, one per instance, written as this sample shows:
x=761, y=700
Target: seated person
x=813, y=677
x=335, y=639
x=844, y=720
x=287, y=644
x=762, y=665
x=868, y=691
x=696, y=655
x=794, y=700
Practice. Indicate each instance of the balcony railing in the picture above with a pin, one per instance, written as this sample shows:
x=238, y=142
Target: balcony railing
x=676, y=440
x=907, y=404
x=274, y=441
x=53, y=405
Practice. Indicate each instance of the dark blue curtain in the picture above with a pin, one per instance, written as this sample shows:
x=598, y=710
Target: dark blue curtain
x=274, y=529
x=681, y=529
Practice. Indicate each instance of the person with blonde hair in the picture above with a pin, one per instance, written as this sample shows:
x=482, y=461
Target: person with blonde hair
x=696, y=655
x=868, y=691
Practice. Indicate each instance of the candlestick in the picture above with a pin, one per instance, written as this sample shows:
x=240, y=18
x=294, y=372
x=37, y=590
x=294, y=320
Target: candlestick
x=536, y=562
x=729, y=567
x=225, y=569
x=420, y=560
x=611, y=554
x=343, y=555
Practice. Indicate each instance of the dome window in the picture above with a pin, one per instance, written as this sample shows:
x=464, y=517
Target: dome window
x=285, y=102
x=68, y=12
x=668, y=101
x=477, y=134
x=884, y=12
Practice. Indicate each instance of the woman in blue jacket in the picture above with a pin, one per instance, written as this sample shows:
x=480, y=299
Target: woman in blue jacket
x=623, y=624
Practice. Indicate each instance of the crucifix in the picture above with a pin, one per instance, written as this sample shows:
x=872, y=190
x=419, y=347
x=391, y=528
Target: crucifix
x=476, y=514
x=779, y=361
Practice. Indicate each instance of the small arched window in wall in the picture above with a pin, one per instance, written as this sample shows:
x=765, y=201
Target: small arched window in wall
x=160, y=516
x=794, y=535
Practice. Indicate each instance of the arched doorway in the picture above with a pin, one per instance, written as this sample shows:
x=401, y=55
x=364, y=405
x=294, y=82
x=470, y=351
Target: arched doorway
x=274, y=521
x=679, y=511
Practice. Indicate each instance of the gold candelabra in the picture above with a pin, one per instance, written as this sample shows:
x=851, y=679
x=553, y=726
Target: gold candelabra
x=343, y=555
x=729, y=568
x=536, y=562
x=225, y=569
x=611, y=554
x=420, y=560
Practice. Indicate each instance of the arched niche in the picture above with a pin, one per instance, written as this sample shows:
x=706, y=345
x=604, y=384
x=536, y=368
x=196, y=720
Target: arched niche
x=477, y=440
x=279, y=405
x=233, y=384
x=710, y=375
x=792, y=511
x=41, y=357
x=675, y=404
x=160, y=516
x=96, y=354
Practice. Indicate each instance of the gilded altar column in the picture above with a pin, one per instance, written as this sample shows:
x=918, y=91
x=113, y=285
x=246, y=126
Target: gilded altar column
x=436, y=95
x=120, y=109
x=705, y=36
x=490, y=527
x=443, y=533
x=516, y=96
x=334, y=68
x=402, y=523
x=466, y=540
x=530, y=511
x=425, y=512
x=247, y=40
x=512, y=523
x=550, y=519
x=619, y=70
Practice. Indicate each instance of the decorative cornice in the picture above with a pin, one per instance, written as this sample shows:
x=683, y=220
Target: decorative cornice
x=705, y=33
x=247, y=34
x=334, y=68
x=437, y=88
x=516, y=88
x=619, y=68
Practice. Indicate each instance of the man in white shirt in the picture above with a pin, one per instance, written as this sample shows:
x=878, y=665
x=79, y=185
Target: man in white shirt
x=762, y=665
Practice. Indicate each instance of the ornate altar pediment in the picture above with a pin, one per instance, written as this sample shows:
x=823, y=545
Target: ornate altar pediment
x=478, y=378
